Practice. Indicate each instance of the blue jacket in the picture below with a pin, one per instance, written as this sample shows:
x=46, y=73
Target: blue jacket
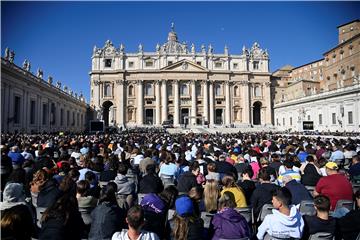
x=16, y=158
x=298, y=192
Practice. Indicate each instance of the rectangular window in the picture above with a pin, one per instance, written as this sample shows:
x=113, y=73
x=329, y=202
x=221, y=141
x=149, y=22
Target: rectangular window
x=68, y=118
x=350, y=118
x=17, y=102
x=149, y=63
x=277, y=122
x=107, y=62
x=78, y=119
x=235, y=66
x=333, y=115
x=131, y=64
x=255, y=65
x=290, y=121
x=73, y=119
x=283, y=121
x=61, y=117
x=308, y=117
x=320, y=119
x=44, y=114
x=218, y=64
x=32, y=111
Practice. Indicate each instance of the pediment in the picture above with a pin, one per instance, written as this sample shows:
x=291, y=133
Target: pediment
x=184, y=66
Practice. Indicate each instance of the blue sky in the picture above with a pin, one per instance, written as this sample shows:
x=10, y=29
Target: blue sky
x=59, y=36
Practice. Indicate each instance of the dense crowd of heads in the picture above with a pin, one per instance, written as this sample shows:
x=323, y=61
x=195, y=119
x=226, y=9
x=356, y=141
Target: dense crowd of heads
x=192, y=173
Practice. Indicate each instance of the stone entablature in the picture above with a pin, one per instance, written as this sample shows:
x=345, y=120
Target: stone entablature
x=31, y=104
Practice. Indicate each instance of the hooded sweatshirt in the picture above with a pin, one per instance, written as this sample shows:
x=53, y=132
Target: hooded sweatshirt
x=281, y=226
x=230, y=224
x=125, y=186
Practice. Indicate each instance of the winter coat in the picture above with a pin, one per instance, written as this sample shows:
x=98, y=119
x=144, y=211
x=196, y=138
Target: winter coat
x=125, y=186
x=54, y=228
x=262, y=195
x=107, y=219
x=311, y=176
x=298, y=192
x=151, y=183
x=48, y=194
x=229, y=224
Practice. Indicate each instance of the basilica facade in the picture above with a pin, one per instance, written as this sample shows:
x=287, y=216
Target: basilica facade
x=176, y=83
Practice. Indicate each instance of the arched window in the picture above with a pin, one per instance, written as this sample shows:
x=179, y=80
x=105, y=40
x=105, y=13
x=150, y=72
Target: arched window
x=257, y=91
x=131, y=90
x=148, y=89
x=107, y=90
x=218, y=90
x=236, y=91
x=184, y=90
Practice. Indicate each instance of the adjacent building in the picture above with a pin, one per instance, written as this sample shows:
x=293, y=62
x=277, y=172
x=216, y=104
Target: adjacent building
x=325, y=92
x=179, y=84
x=29, y=104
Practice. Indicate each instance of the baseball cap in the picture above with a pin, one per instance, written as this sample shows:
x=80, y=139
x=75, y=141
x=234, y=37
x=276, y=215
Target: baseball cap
x=184, y=206
x=332, y=165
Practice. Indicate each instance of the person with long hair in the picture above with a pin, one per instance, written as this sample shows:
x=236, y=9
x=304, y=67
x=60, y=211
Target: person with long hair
x=16, y=223
x=228, y=223
x=211, y=195
x=38, y=181
x=231, y=187
x=186, y=225
x=62, y=220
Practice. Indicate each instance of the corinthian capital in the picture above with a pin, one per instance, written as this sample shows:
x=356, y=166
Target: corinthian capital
x=119, y=82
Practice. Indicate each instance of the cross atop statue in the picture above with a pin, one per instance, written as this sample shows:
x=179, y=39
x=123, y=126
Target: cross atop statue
x=172, y=26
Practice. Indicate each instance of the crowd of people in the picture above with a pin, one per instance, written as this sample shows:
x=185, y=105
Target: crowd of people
x=149, y=184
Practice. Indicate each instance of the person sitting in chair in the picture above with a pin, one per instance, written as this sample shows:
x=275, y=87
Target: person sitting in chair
x=322, y=222
x=285, y=222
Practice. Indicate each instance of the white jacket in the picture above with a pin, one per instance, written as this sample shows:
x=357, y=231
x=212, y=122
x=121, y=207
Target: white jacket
x=281, y=226
x=143, y=236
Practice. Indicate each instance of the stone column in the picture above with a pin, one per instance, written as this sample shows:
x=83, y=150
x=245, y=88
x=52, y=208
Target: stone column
x=164, y=99
x=120, y=106
x=246, y=101
x=5, y=105
x=206, y=100
x=25, y=111
x=158, y=109
x=268, y=119
x=193, y=102
x=39, y=113
x=176, y=103
x=227, y=104
x=140, y=103
x=96, y=94
x=212, y=105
